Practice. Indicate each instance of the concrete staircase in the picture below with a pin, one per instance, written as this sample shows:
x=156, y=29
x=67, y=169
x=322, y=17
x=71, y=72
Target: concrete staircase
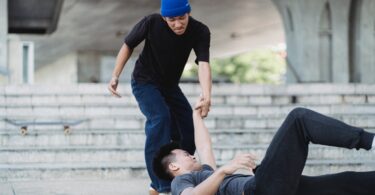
x=110, y=143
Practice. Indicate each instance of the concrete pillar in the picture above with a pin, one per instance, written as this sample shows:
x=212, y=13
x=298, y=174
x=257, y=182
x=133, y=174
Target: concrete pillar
x=301, y=23
x=317, y=39
x=3, y=36
x=340, y=52
x=366, y=46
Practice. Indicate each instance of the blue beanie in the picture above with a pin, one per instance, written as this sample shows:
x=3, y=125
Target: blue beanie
x=173, y=8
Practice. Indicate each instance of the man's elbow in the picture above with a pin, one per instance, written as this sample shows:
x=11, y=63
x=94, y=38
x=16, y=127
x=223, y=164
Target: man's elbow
x=204, y=147
x=194, y=191
x=188, y=191
x=204, y=64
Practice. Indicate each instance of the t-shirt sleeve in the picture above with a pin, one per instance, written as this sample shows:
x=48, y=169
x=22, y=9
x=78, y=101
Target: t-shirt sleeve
x=202, y=47
x=207, y=167
x=137, y=34
x=179, y=184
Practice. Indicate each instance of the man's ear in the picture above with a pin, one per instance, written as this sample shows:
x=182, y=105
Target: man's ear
x=173, y=167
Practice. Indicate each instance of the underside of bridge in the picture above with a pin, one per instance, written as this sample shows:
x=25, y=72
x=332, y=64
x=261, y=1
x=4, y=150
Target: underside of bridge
x=100, y=25
x=327, y=40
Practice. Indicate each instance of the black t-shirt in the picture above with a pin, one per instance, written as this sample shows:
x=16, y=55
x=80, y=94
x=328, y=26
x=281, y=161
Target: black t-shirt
x=165, y=54
x=231, y=185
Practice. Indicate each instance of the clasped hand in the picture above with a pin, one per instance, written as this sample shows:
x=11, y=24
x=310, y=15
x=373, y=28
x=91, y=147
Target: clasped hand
x=241, y=161
x=203, y=106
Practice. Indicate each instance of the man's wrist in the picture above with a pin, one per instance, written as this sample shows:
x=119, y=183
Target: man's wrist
x=222, y=171
x=207, y=100
x=114, y=77
x=207, y=97
x=197, y=114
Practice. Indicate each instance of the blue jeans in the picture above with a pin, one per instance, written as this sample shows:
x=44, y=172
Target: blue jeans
x=168, y=118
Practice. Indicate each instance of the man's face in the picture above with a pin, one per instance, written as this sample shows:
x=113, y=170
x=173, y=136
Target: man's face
x=178, y=24
x=185, y=161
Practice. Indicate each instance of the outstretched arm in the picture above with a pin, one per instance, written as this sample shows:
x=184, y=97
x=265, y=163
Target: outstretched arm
x=204, y=150
x=204, y=74
x=122, y=57
x=212, y=183
x=202, y=138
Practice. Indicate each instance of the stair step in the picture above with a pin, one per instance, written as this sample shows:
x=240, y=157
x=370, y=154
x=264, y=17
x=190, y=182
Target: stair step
x=194, y=89
x=212, y=122
x=124, y=138
x=108, y=110
x=19, y=172
x=131, y=154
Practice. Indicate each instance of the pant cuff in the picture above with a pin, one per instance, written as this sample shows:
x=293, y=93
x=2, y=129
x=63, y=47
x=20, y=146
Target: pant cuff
x=366, y=140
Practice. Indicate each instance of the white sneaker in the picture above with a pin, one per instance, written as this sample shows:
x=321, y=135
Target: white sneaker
x=152, y=191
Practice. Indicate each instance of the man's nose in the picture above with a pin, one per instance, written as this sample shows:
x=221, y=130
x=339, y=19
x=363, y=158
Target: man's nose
x=178, y=24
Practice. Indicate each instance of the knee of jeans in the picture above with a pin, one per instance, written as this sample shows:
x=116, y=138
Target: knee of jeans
x=159, y=127
x=298, y=112
x=163, y=116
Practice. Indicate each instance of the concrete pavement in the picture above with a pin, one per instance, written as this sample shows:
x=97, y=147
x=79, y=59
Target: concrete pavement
x=138, y=186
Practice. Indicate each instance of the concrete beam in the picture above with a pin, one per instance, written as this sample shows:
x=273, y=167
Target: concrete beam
x=34, y=16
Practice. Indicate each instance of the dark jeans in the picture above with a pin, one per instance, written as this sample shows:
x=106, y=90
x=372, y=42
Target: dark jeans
x=169, y=117
x=280, y=171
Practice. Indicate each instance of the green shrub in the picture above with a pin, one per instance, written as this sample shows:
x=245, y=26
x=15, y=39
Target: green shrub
x=260, y=66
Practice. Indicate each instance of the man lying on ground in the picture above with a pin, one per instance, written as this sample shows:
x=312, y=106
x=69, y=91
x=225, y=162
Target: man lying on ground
x=280, y=172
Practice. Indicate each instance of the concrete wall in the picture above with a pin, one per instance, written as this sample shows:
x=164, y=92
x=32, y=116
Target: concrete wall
x=62, y=71
x=20, y=60
x=15, y=59
x=89, y=66
x=108, y=63
x=3, y=39
x=322, y=40
x=82, y=67
x=97, y=67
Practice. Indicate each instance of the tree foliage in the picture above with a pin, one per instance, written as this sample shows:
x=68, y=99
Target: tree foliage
x=261, y=66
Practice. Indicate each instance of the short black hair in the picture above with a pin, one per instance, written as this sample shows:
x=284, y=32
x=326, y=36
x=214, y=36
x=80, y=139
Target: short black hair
x=162, y=159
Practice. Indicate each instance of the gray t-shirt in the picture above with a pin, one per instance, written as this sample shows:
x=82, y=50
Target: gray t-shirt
x=231, y=185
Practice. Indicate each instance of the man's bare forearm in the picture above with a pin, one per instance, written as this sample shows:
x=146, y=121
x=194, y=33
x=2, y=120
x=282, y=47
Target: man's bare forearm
x=203, y=141
x=209, y=186
x=122, y=57
x=201, y=135
x=205, y=80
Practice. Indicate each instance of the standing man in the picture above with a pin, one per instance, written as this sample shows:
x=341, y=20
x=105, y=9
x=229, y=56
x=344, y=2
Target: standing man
x=169, y=39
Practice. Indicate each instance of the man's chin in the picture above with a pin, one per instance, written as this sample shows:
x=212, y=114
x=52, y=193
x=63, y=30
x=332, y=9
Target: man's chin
x=179, y=32
x=198, y=167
